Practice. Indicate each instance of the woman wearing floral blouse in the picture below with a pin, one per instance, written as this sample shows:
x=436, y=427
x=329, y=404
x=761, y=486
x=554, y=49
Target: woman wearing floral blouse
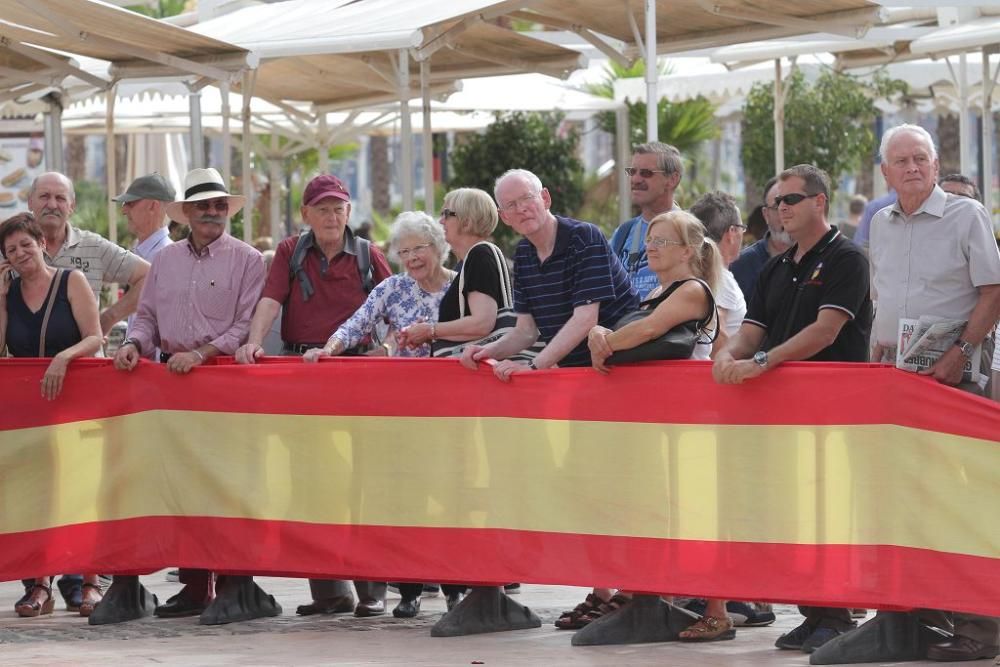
x=417, y=242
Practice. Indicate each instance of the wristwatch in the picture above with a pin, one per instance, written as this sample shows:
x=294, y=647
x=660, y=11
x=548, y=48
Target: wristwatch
x=132, y=341
x=532, y=366
x=966, y=347
x=760, y=358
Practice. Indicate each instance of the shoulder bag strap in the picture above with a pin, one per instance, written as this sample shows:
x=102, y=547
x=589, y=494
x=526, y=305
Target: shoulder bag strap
x=505, y=284
x=50, y=302
x=364, y=250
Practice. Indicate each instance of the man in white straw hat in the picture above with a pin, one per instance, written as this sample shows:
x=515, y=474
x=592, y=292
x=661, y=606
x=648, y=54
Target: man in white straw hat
x=197, y=304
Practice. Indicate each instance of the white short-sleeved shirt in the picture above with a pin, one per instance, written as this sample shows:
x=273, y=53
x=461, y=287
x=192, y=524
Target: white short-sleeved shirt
x=730, y=297
x=931, y=262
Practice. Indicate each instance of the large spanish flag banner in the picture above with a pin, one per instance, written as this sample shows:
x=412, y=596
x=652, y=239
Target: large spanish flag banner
x=837, y=484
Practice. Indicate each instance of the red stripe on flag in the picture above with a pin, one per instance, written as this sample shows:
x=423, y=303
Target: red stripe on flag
x=828, y=575
x=680, y=392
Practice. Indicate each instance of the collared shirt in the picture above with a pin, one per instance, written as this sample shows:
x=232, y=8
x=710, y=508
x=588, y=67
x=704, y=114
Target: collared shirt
x=790, y=294
x=747, y=267
x=153, y=244
x=190, y=299
x=338, y=293
x=399, y=300
x=632, y=233
x=863, y=233
x=100, y=260
x=581, y=270
x=932, y=262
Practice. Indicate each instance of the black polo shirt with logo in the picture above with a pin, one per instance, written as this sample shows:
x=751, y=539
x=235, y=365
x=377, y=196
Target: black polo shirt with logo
x=832, y=274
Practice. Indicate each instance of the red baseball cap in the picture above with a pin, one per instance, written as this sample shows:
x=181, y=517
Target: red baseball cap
x=322, y=187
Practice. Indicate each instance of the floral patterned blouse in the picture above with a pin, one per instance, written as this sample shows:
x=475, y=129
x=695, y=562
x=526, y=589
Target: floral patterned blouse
x=399, y=300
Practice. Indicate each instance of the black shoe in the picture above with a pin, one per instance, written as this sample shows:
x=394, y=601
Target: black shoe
x=792, y=641
x=453, y=599
x=512, y=589
x=819, y=637
x=179, y=606
x=407, y=608
x=369, y=607
x=962, y=648
x=72, y=592
x=342, y=604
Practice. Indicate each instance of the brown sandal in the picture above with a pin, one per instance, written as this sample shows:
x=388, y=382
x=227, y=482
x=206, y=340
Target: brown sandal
x=616, y=602
x=31, y=607
x=570, y=620
x=87, y=606
x=709, y=629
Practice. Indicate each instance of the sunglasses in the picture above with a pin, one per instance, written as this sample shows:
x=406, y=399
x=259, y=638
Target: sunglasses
x=207, y=204
x=644, y=173
x=448, y=213
x=792, y=199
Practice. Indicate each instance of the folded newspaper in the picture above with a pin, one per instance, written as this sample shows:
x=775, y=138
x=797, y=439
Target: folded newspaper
x=921, y=342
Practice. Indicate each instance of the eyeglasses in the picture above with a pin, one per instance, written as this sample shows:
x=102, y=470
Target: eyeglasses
x=644, y=173
x=417, y=249
x=448, y=213
x=739, y=226
x=516, y=205
x=792, y=199
x=655, y=242
x=208, y=204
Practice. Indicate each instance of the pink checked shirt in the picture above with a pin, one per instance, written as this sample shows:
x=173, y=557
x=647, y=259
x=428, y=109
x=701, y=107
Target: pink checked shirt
x=189, y=300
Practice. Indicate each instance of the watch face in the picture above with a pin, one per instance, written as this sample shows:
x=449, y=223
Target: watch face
x=760, y=358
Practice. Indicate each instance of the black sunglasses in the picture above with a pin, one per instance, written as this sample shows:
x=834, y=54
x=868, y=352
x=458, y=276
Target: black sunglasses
x=644, y=173
x=792, y=199
x=448, y=213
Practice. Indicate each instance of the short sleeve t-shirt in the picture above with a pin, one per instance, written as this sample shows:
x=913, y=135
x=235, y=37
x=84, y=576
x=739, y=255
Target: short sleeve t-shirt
x=481, y=275
x=581, y=270
x=789, y=295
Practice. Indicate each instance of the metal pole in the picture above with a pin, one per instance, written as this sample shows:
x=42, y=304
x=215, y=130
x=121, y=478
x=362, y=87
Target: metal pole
x=324, y=145
x=427, y=138
x=54, y=158
x=652, y=72
x=779, y=119
x=197, y=137
x=111, y=168
x=987, y=83
x=227, y=137
x=406, y=134
x=248, y=191
x=965, y=160
x=274, y=183
x=622, y=149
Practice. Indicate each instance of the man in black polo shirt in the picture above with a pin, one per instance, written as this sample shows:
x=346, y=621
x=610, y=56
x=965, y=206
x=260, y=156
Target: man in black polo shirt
x=811, y=303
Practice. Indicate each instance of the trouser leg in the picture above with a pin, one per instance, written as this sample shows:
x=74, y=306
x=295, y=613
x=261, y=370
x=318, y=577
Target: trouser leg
x=326, y=589
x=828, y=617
x=370, y=590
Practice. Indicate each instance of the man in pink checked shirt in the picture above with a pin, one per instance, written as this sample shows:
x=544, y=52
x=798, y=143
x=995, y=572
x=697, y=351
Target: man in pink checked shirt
x=197, y=303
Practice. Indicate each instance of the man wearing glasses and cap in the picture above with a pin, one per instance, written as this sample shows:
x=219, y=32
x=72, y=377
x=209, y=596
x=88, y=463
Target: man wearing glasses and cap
x=197, y=304
x=144, y=206
x=655, y=173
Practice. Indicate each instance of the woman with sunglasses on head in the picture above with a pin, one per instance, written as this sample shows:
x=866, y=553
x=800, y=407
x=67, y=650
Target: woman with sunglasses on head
x=52, y=313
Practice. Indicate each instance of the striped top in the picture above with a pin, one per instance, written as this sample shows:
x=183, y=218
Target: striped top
x=581, y=270
x=100, y=260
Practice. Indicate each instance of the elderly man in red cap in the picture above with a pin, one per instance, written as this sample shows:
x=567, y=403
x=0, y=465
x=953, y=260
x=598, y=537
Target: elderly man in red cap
x=316, y=281
x=196, y=304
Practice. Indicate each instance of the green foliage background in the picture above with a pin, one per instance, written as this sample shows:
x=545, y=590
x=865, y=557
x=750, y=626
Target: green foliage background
x=521, y=140
x=828, y=123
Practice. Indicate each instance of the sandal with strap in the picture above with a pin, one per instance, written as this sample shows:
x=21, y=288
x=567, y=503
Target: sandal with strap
x=87, y=606
x=32, y=607
x=616, y=602
x=570, y=620
x=708, y=629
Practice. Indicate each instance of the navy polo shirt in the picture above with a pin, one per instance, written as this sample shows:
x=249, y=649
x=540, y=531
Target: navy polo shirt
x=581, y=270
x=746, y=268
x=789, y=295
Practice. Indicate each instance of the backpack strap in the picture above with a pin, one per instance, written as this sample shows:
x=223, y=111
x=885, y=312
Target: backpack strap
x=364, y=255
x=296, y=266
x=623, y=237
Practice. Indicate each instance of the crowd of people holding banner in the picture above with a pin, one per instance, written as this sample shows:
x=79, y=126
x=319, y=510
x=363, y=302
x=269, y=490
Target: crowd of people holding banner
x=670, y=284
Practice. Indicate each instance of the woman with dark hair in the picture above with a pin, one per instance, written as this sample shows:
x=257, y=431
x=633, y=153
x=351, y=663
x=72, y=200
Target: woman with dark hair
x=52, y=313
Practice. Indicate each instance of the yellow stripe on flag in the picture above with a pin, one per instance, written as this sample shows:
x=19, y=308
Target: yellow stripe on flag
x=787, y=484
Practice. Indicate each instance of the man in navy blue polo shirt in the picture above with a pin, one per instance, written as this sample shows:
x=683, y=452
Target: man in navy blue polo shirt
x=566, y=280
